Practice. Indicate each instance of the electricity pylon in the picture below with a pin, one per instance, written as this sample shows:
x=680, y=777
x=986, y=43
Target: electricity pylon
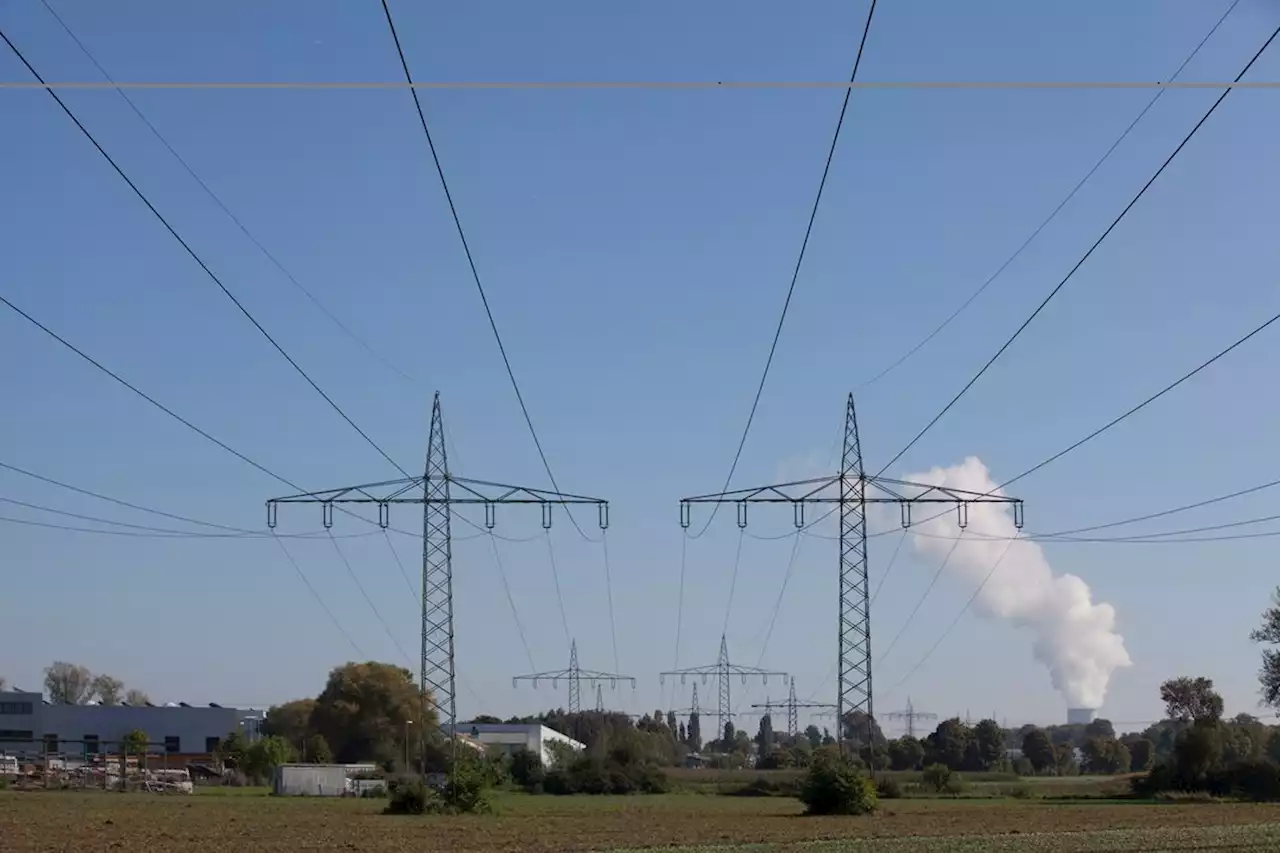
x=850, y=490
x=722, y=669
x=575, y=675
x=911, y=715
x=435, y=491
x=694, y=706
x=793, y=709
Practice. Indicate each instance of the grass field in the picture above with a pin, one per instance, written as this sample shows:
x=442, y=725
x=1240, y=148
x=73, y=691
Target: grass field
x=678, y=823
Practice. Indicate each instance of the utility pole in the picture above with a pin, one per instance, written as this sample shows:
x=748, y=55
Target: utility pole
x=575, y=675
x=850, y=490
x=722, y=669
x=793, y=709
x=911, y=715
x=438, y=491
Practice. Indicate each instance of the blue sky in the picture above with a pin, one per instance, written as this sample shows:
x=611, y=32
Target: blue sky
x=636, y=246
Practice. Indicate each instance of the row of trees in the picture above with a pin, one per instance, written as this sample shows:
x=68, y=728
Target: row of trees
x=73, y=684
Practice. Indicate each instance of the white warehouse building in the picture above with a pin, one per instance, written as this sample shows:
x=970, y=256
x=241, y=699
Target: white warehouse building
x=29, y=724
x=513, y=737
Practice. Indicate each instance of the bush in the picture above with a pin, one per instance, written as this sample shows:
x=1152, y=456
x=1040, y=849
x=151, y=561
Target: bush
x=407, y=795
x=464, y=793
x=1020, y=791
x=377, y=792
x=527, y=771
x=595, y=775
x=834, y=786
x=888, y=789
x=936, y=777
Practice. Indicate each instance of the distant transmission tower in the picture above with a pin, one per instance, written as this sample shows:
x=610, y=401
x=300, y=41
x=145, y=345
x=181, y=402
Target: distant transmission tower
x=850, y=490
x=575, y=675
x=722, y=669
x=793, y=709
x=911, y=715
x=438, y=492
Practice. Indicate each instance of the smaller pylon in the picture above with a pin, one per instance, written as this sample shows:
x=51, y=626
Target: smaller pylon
x=575, y=675
x=599, y=699
x=793, y=708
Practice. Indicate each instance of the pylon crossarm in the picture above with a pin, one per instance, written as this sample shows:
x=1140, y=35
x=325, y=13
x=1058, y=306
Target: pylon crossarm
x=599, y=677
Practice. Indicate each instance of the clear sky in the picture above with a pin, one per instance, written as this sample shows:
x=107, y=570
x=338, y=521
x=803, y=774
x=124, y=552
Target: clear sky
x=636, y=246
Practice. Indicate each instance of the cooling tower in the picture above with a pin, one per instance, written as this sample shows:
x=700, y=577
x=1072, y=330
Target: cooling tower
x=1080, y=716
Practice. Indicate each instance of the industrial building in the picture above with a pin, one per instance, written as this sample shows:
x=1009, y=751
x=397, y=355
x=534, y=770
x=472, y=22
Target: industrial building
x=29, y=724
x=513, y=737
x=1080, y=716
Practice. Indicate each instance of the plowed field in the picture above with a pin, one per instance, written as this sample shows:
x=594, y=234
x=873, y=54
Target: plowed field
x=139, y=823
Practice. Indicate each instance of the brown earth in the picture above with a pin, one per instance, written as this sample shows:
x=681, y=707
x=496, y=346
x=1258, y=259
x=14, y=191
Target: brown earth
x=209, y=823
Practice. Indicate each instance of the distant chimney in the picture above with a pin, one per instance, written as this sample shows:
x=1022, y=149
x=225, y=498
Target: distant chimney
x=1080, y=716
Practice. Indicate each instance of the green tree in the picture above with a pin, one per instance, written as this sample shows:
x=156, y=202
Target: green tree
x=694, y=741
x=68, y=683
x=1191, y=699
x=989, y=741
x=136, y=698
x=108, y=690
x=231, y=750
x=318, y=751
x=1198, y=751
x=365, y=709
x=814, y=735
x=905, y=753
x=948, y=744
x=1065, y=763
x=265, y=754
x=730, y=735
x=764, y=737
x=1269, y=673
x=1039, y=750
x=1142, y=754
x=683, y=734
x=862, y=729
x=1105, y=755
x=135, y=742
x=291, y=721
x=1100, y=728
x=671, y=722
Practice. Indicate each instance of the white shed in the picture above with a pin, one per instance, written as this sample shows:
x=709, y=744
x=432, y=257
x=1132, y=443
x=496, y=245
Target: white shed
x=512, y=737
x=310, y=780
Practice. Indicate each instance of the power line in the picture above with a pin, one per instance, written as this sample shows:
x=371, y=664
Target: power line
x=795, y=275
x=555, y=577
x=1162, y=513
x=367, y=600
x=139, y=535
x=1054, y=213
x=225, y=209
x=777, y=604
x=888, y=568
x=400, y=565
x=1083, y=258
x=209, y=272
x=733, y=579
x=608, y=588
x=1165, y=390
x=511, y=602
x=239, y=535
x=959, y=615
x=302, y=577
x=466, y=248
x=941, y=567
x=157, y=404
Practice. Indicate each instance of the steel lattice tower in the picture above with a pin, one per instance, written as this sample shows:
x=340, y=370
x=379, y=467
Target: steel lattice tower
x=437, y=577
x=854, y=690
x=911, y=715
x=793, y=707
x=575, y=675
x=439, y=491
x=722, y=669
x=853, y=490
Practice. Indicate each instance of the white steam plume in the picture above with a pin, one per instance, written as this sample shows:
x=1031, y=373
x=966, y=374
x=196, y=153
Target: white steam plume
x=1074, y=637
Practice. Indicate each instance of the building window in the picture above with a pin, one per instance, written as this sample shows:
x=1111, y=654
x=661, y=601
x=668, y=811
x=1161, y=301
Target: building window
x=15, y=735
x=50, y=742
x=91, y=745
x=172, y=743
x=16, y=708
x=211, y=744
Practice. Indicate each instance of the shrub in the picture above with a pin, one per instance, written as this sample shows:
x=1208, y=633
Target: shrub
x=527, y=770
x=464, y=793
x=596, y=775
x=888, y=789
x=834, y=786
x=955, y=785
x=1020, y=791
x=407, y=795
x=936, y=777
x=1257, y=780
